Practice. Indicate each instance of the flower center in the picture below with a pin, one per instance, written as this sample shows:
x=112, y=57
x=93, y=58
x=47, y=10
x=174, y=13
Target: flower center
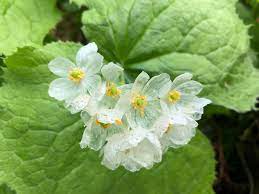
x=174, y=96
x=139, y=102
x=103, y=125
x=76, y=75
x=118, y=122
x=112, y=90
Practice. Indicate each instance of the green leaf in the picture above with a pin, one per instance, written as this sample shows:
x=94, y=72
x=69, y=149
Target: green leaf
x=25, y=23
x=39, y=142
x=78, y=2
x=4, y=189
x=204, y=37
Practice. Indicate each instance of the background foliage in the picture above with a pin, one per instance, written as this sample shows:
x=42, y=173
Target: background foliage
x=218, y=41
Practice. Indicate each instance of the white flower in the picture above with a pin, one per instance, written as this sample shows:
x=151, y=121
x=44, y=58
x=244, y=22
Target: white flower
x=106, y=103
x=141, y=102
x=76, y=79
x=180, y=96
x=132, y=149
x=179, y=130
x=96, y=133
x=78, y=103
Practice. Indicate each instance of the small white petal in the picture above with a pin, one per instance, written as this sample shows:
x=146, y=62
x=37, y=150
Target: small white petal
x=125, y=88
x=91, y=84
x=77, y=104
x=153, y=86
x=106, y=116
x=123, y=104
x=83, y=53
x=62, y=89
x=140, y=82
x=112, y=72
x=146, y=119
x=60, y=66
x=190, y=88
x=133, y=149
x=192, y=105
x=178, y=135
x=94, y=136
x=85, y=116
x=164, y=90
x=181, y=79
x=93, y=63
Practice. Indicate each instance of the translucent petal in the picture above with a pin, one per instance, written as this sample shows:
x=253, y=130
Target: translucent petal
x=91, y=84
x=181, y=79
x=85, y=116
x=192, y=105
x=148, y=151
x=154, y=85
x=106, y=116
x=123, y=104
x=164, y=90
x=84, y=52
x=125, y=88
x=94, y=136
x=190, y=88
x=60, y=66
x=132, y=149
x=179, y=135
x=77, y=104
x=161, y=125
x=140, y=82
x=112, y=72
x=63, y=89
x=145, y=119
x=93, y=63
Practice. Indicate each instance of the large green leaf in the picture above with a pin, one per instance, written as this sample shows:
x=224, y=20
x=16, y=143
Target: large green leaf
x=25, y=22
x=4, y=189
x=39, y=142
x=204, y=37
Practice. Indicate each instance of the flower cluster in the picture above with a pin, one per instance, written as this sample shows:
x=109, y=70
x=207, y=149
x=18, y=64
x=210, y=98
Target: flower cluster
x=131, y=124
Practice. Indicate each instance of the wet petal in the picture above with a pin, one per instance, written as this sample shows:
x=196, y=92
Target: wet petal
x=190, y=88
x=112, y=72
x=140, y=82
x=91, y=84
x=145, y=119
x=94, y=136
x=181, y=79
x=60, y=66
x=154, y=85
x=84, y=52
x=63, y=89
x=77, y=104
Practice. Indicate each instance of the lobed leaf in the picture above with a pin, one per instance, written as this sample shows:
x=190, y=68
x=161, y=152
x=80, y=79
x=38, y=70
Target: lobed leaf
x=25, y=23
x=203, y=37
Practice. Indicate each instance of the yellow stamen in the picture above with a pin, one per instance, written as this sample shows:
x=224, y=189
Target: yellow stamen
x=76, y=75
x=103, y=125
x=118, y=122
x=139, y=102
x=112, y=90
x=174, y=96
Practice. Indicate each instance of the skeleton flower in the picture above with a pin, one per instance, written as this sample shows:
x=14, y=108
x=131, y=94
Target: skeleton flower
x=176, y=130
x=141, y=102
x=180, y=96
x=133, y=149
x=96, y=132
x=103, y=115
x=76, y=79
x=182, y=107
